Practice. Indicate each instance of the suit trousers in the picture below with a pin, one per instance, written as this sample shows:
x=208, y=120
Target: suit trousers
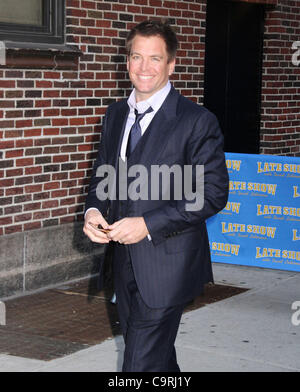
x=149, y=334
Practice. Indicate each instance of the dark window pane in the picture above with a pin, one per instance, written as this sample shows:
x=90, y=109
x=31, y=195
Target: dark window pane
x=34, y=21
x=26, y=12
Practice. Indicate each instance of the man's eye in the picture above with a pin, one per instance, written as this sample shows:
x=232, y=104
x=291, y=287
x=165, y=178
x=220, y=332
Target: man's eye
x=156, y=59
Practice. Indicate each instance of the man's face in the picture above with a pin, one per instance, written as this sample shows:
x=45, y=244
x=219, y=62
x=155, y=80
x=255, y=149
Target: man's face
x=148, y=65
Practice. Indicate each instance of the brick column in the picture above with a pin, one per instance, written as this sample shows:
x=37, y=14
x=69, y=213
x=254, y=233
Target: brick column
x=280, y=122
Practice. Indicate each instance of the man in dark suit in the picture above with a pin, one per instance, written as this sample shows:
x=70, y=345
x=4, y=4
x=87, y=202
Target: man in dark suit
x=161, y=251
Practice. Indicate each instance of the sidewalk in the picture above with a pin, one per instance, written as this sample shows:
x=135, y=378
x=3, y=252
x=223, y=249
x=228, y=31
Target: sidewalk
x=248, y=332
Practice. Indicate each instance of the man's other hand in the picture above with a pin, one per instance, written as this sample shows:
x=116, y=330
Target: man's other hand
x=128, y=230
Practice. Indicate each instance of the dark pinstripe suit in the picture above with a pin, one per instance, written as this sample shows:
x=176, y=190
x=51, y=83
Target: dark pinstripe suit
x=170, y=269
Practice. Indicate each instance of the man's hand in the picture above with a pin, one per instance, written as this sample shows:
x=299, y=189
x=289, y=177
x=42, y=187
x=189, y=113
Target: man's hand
x=128, y=230
x=93, y=218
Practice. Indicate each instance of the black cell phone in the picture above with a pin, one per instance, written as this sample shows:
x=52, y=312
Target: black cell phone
x=99, y=227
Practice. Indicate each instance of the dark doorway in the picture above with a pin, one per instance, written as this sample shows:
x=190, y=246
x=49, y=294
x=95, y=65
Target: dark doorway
x=233, y=67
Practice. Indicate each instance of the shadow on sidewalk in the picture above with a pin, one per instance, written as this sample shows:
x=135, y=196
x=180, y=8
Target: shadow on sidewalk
x=71, y=317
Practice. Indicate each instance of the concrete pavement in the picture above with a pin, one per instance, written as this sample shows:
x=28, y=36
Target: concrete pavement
x=250, y=332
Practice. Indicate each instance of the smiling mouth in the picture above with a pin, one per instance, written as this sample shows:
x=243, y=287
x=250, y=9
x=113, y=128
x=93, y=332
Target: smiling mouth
x=143, y=77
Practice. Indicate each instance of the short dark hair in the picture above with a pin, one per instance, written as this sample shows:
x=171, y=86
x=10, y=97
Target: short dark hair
x=149, y=28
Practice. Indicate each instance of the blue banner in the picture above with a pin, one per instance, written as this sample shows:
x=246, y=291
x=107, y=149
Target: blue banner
x=260, y=225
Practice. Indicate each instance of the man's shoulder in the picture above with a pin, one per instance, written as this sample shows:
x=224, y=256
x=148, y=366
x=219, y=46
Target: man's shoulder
x=191, y=108
x=117, y=105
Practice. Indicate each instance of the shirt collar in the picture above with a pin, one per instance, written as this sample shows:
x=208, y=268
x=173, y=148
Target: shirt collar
x=155, y=101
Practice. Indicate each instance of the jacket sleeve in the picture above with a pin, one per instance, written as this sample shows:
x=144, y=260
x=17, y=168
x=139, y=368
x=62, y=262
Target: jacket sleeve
x=92, y=200
x=205, y=147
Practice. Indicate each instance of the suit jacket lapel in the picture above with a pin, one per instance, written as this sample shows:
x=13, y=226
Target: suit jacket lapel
x=157, y=133
x=117, y=132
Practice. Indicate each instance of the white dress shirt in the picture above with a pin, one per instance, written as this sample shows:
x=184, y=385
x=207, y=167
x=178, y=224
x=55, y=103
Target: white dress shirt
x=155, y=101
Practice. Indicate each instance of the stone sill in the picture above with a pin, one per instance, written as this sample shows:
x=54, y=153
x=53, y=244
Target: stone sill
x=47, y=56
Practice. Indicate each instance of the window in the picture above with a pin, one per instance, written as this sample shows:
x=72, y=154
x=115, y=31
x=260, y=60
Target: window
x=34, y=21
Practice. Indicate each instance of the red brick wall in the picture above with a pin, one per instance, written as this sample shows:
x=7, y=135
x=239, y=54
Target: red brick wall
x=280, y=122
x=50, y=118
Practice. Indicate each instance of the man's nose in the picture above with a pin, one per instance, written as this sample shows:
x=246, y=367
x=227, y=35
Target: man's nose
x=144, y=65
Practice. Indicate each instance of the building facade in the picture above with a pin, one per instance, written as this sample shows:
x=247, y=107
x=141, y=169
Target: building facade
x=58, y=74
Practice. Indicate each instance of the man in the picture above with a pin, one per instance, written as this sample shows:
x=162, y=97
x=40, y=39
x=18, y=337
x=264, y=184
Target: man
x=161, y=251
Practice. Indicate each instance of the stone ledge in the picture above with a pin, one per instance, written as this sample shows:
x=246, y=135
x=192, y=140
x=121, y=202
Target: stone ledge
x=39, y=258
x=41, y=56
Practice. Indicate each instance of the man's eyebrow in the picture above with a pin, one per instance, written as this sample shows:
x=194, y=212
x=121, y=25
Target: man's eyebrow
x=152, y=55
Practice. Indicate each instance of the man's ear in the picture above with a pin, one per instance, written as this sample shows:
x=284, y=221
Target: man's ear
x=172, y=64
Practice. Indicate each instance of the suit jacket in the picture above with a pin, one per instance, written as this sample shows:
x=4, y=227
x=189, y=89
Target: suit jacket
x=173, y=267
